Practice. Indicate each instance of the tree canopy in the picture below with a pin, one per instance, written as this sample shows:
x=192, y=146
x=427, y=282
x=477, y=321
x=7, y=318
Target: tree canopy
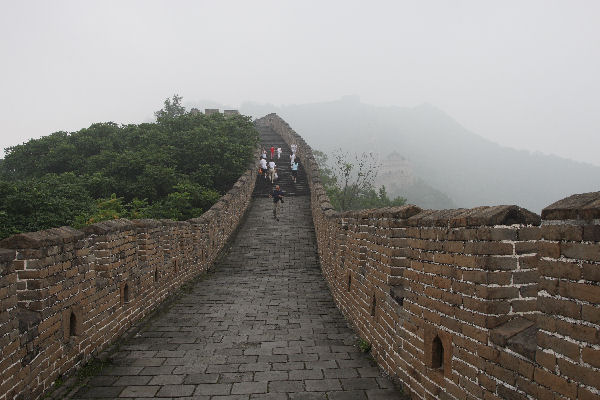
x=175, y=168
x=171, y=109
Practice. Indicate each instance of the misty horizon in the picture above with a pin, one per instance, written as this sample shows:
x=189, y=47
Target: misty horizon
x=205, y=104
x=521, y=74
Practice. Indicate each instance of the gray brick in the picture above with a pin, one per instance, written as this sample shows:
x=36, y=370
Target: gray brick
x=176, y=390
x=122, y=371
x=278, y=358
x=306, y=374
x=167, y=380
x=255, y=367
x=171, y=354
x=99, y=392
x=190, y=369
x=304, y=357
x=222, y=368
x=102, y=380
x=146, y=362
x=383, y=394
x=213, y=389
x=322, y=385
x=271, y=376
x=286, y=386
x=347, y=395
x=234, y=377
x=139, y=391
x=321, y=364
x=308, y=396
x=340, y=373
x=195, y=379
x=163, y=370
x=287, y=366
x=132, y=380
x=359, y=383
x=269, y=396
x=249, y=387
x=368, y=372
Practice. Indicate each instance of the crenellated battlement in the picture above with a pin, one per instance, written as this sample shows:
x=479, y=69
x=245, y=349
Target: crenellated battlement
x=482, y=303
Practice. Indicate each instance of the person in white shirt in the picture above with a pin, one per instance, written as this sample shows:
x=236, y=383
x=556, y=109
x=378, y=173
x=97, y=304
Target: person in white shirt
x=272, y=170
x=292, y=158
x=278, y=153
x=263, y=166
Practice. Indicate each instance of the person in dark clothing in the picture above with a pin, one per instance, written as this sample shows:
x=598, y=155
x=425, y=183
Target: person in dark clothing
x=277, y=196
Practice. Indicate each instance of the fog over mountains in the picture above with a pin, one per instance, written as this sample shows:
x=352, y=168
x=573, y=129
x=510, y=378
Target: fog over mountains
x=444, y=157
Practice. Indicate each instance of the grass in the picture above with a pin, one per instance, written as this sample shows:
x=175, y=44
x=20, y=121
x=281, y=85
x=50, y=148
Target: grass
x=92, y=368
x=363, y=345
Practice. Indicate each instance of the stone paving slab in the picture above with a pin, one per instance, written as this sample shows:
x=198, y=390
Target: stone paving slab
x=262, y=325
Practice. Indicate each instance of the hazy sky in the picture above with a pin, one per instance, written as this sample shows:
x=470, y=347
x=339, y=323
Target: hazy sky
x=525, y=74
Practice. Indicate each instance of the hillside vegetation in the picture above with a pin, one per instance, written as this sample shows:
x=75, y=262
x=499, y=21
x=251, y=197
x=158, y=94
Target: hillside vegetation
x=175, y=168
x=350, y=182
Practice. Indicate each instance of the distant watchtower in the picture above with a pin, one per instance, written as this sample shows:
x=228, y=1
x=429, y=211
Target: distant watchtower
x=228, y=113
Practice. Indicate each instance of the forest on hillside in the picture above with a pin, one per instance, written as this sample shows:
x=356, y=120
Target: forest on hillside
x=175, y=168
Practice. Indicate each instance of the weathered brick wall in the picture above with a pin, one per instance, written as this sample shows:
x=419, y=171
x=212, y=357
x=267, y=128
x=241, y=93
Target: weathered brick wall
x=483, y=303
x=66, y=294
x=10, y=351
x=568, y=299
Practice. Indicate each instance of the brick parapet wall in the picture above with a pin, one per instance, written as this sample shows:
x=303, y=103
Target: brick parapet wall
x=10, y=351
x=512, y=299
x=66, y=294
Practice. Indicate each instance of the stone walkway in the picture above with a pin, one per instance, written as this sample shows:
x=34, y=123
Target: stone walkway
x=262, y=325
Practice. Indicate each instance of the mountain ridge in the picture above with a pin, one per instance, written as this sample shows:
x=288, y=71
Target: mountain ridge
x=469, y=168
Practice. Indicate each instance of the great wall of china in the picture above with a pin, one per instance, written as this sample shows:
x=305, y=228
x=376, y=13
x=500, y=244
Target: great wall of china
x=483, y=303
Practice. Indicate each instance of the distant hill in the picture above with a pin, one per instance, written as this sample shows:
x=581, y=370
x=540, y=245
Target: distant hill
x=397, y=175
x=445, y=158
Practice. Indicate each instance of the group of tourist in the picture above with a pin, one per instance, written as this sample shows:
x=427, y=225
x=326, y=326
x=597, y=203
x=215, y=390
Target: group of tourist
x=269, y=171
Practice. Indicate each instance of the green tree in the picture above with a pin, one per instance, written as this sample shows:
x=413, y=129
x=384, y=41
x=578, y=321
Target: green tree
x=171, y=109
x=348, y=181
x=177, y=169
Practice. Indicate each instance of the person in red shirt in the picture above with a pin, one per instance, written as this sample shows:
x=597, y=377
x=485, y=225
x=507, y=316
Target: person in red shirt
x=272, y=152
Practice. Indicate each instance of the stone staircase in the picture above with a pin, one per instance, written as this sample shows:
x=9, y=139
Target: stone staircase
x=268, y=138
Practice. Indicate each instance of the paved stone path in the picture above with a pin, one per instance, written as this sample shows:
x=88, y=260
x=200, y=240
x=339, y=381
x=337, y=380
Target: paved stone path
x=262, y=325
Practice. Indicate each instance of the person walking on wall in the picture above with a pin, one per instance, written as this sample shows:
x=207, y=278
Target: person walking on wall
x=272, y=170
x=263, y=167
x=272, y=152
x=278, y=153
x=277, y=196
x=295, y=170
